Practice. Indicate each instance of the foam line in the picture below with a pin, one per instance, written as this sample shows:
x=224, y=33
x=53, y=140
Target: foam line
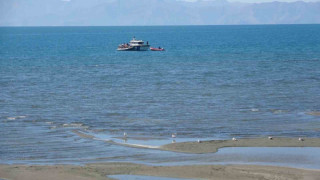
x=88, y=136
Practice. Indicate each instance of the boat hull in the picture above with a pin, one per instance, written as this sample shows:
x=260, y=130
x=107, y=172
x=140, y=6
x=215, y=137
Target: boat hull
x=141, y=48
x=126, y=49
x=156, y=49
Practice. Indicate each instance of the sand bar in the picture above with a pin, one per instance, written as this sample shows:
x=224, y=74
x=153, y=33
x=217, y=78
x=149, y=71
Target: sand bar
x=214, y=145
x=314, y=113
x=101, y=171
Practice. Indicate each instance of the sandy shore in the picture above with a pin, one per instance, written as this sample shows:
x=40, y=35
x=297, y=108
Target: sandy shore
x=214, y=145
x=239, y=172
x=101, y=171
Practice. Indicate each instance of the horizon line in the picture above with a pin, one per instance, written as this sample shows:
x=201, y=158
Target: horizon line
x=164, y=25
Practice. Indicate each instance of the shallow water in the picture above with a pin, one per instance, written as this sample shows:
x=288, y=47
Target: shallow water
x=213, y=82
x=297, y=157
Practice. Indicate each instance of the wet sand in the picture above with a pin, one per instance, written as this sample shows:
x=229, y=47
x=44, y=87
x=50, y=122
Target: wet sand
x=214, y=145
x=101, y=171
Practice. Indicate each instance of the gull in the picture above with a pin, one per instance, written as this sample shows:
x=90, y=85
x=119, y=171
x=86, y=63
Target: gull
x=270, y=137
x=301, y=139
x=174, y=135
x=125, y=134
x=199, y=141
x=234, y=139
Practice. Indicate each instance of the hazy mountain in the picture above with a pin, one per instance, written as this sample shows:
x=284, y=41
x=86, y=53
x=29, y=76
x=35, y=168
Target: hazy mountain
x=153, y=12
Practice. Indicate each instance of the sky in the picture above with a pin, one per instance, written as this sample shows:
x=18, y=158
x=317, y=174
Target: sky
x=257, y=1
x=155, y=12
x=261, y=1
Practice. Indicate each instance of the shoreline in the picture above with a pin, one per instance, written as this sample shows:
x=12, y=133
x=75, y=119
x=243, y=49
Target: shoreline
x=100, y=171
x=212, y=146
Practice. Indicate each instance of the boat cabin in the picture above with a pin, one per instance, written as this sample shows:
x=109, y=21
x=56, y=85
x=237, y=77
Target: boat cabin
x=136, y=42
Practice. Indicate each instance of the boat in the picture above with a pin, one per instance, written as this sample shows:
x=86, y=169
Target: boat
x=134, y=45
x=157, y=49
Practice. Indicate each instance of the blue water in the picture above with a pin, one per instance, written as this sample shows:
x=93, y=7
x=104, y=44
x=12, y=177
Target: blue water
x=211, y=82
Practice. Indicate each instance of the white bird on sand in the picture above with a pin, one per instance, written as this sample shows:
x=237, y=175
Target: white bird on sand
x=199, y=141
x=174, y=135
x=301, y=139
x=234, y=139
x=270, y=137
x=125, y=134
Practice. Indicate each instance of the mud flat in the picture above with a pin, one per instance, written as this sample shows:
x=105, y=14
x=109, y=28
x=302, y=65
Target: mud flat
x=101, y=171
x=214, y=145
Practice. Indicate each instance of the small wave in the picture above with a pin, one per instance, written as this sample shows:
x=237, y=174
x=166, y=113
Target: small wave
x=81, y=134
x=113, y=114
x=255, y=110
x=98, y=130
x=53, y=127
x=128, y=144
x=278, y=111
x=16, y=117
x=138, y=145
x=75, y=125
x=84, y=135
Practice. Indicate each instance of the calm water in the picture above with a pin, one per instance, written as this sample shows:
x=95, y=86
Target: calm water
x=212, y=82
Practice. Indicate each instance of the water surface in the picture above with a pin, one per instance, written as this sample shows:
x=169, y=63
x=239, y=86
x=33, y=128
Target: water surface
x=212, y=82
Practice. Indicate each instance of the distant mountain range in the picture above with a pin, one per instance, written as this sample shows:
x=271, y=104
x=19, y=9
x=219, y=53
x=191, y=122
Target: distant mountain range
x=153, y=12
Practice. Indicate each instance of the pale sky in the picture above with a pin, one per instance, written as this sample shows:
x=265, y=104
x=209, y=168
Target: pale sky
x=257, y=1
x=120, y=13
x=260, y=1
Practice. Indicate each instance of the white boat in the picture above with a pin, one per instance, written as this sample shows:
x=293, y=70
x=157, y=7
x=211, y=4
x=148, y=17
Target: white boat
x=139, y=45
x=134, y=45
